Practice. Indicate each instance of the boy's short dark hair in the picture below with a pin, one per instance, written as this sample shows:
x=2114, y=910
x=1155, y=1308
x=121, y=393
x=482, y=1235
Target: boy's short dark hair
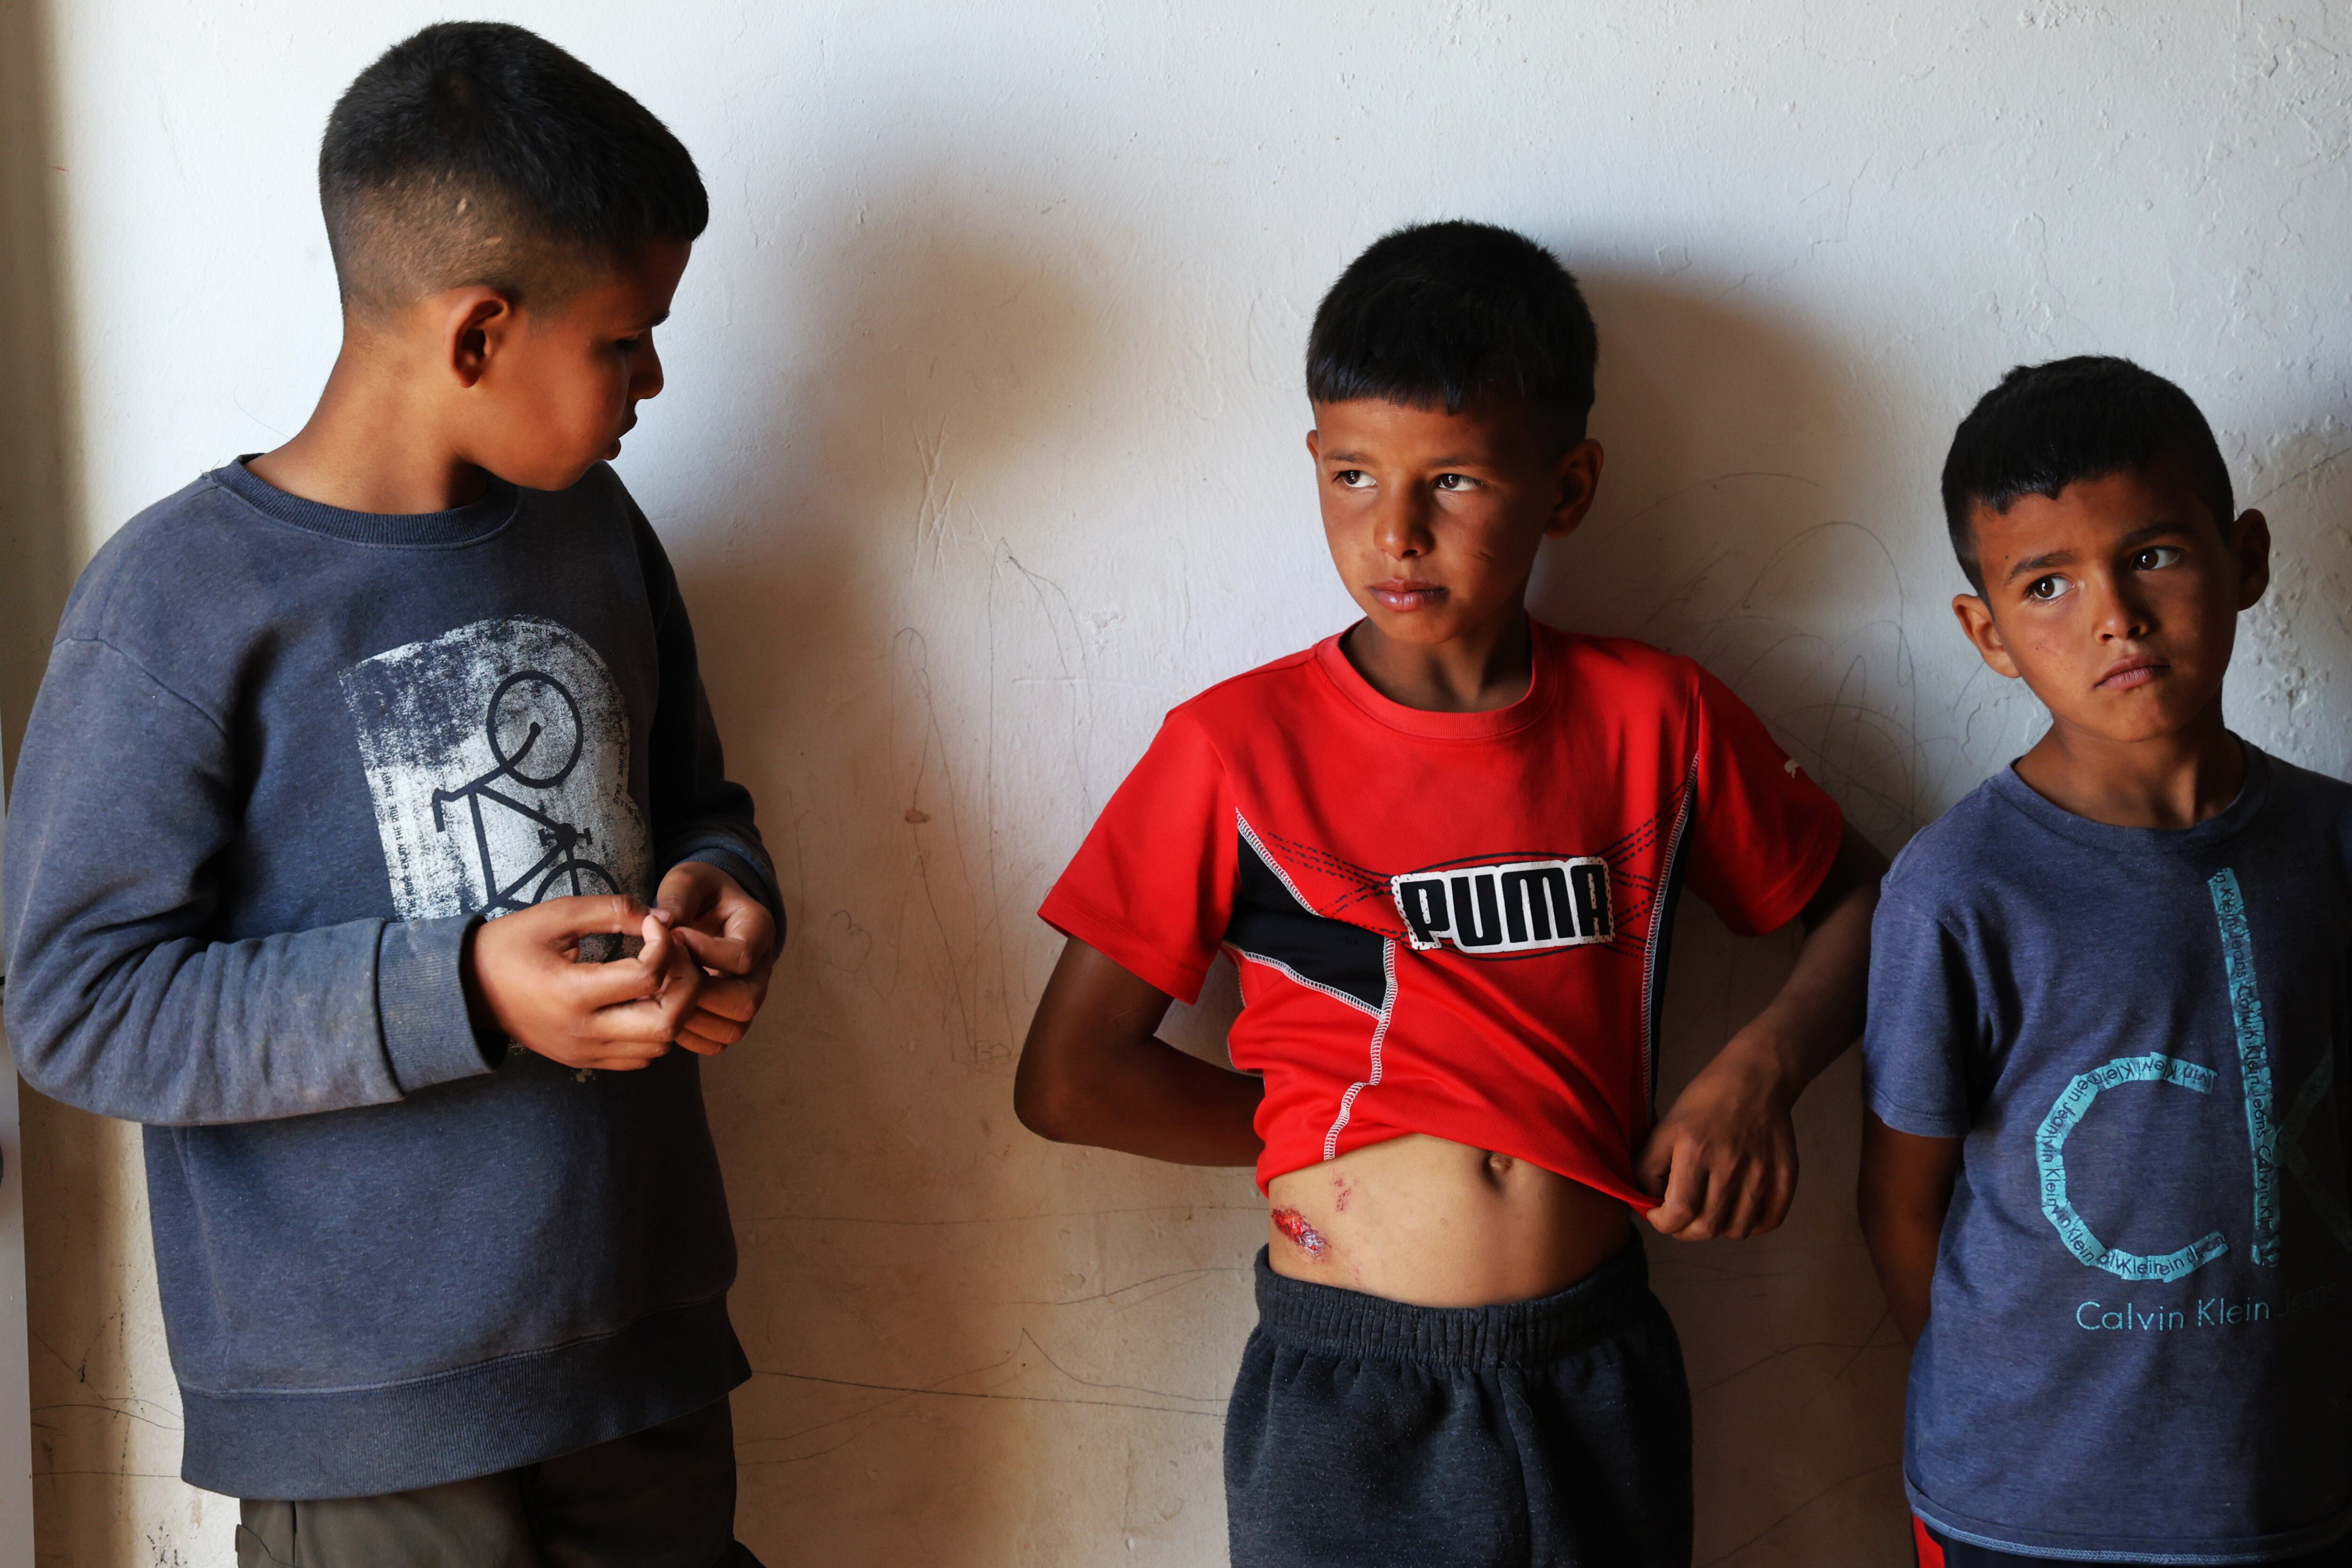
x=479, y=153
x=2046, y=426
x=1441, y=314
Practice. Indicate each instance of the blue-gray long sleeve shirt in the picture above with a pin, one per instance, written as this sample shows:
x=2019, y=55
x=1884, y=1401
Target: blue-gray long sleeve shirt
x=284, y=757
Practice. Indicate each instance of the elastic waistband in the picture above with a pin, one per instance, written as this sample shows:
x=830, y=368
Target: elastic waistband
x=1350, y=1323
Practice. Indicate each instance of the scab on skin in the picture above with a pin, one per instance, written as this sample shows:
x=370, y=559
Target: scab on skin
x=1301, y=1234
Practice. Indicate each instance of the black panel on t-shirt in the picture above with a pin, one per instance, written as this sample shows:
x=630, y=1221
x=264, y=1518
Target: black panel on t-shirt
x=1270, y=923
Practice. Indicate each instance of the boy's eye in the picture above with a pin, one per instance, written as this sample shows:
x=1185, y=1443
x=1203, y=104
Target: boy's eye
x=2156, y=558
x=1455, y=482
x=1354, y=479
x=630, y=346
x=2048, y=588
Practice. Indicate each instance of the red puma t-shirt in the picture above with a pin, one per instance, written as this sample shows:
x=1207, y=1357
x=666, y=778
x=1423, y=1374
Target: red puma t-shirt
x=1450, y=923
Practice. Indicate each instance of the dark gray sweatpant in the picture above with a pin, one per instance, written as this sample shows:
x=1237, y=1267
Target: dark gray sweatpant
x=664, y=1498
x=1547, y=1434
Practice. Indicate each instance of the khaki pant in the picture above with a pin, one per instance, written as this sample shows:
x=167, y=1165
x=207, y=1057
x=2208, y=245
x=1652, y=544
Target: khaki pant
x=659, y=1499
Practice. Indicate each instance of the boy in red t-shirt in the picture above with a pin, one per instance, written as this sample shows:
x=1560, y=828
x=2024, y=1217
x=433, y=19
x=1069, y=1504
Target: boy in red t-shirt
x=1443, y=848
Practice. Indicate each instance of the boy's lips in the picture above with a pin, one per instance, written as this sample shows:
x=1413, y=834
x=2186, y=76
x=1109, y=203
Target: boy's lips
x=2132, y=673
x=1399, y=594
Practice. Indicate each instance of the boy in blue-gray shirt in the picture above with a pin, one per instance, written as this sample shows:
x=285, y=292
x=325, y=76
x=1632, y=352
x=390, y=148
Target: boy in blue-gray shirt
x=351, y=758
x=2111, y=994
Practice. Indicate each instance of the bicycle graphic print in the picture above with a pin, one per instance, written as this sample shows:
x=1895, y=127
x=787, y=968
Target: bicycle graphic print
x=521, y=736
x=496, y=758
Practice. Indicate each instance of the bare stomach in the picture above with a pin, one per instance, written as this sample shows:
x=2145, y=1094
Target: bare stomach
x=1439, y=1223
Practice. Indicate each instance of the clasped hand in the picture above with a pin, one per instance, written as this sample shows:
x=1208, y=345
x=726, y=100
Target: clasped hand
x=697, y=983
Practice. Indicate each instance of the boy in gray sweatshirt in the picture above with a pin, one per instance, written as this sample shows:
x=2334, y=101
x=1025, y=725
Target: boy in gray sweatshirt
x=372, y=846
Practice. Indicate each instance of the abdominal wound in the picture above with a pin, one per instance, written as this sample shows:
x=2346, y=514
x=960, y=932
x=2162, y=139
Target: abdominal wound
x=1299, y=1234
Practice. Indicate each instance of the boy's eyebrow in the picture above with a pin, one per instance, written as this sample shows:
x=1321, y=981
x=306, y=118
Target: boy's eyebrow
x=2039, y=563
x=1448, y=460
x=2146, y=531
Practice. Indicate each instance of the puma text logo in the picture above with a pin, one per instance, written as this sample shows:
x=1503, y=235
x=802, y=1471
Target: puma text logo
x=1519, y=906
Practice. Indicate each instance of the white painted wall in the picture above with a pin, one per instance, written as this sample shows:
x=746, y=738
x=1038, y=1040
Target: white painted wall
x=981, y=447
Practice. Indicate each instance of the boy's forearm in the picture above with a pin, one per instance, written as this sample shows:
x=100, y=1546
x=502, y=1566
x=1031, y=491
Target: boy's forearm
x=1722, y=1160
x=1093, y=1071
x=1902, y=1250
x=1148, y=1097
x=1904, y=1192
x=1818, y=1013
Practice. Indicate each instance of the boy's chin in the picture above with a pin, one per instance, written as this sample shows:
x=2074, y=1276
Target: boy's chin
x=2130, y=723
x=1432, y=627
x=1419, y=628
x=546, y=476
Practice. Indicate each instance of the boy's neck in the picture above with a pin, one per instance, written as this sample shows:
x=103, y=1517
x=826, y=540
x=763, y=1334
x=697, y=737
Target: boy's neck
x=1484, y=668
x=374, y=444
x=2169, y=781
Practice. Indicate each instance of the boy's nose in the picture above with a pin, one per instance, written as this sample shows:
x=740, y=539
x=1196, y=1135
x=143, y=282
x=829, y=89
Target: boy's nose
x=2123, y=617
x=648, y=382
x=1399, y=531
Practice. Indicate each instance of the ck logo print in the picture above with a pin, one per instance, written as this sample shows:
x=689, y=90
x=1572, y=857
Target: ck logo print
x=1513, y=906
x=2271, y=1144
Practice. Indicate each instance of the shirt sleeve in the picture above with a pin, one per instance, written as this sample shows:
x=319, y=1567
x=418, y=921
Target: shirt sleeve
x=1762, y=834
x=127, y=798
x=1152, y=886
x=1924, y=1023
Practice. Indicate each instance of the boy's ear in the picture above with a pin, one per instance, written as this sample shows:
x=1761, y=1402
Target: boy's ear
x=1976, y=620
x=1579, y=475
x=475, y=324
x=2250, y=541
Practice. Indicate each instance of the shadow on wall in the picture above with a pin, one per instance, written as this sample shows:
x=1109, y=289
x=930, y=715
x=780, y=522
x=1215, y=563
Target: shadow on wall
x=879, y=636
x=1746, y=565
x=907, y=701
x=36, y=527
x=78, y=1219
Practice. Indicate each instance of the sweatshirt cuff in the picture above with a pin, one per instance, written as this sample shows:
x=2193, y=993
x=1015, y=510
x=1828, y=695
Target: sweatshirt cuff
x=421, y=1000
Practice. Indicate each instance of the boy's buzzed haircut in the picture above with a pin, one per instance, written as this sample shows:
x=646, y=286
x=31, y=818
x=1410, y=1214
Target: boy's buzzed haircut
x=2046, y=426
x=1441, y=314
x=479, y=153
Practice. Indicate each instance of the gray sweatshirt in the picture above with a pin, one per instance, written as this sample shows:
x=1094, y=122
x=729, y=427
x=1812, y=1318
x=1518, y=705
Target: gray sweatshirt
x=285, y=755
